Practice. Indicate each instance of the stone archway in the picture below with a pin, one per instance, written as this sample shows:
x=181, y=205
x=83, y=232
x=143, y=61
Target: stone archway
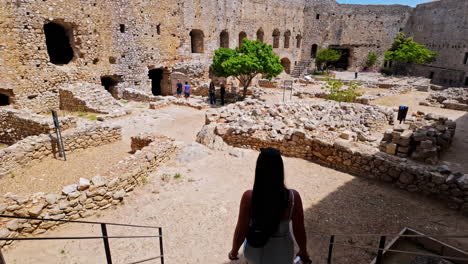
x=224, y=39
x=286, y=63
x=197, y=41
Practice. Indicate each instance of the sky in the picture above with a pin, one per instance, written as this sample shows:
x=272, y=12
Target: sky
x=384, y=2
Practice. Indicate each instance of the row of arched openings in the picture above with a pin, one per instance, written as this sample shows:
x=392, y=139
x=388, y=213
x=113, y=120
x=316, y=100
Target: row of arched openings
x=197, y=39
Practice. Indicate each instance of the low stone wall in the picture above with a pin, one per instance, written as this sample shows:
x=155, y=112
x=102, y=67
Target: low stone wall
x=36, y=148
x=84, y=198
x=16, y=125
x=423, y=139
x=352, y=157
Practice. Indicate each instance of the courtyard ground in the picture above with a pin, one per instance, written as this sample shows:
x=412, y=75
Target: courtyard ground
x=198, y=208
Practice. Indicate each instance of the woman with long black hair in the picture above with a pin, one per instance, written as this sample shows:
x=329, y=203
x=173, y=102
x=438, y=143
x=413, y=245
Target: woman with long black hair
x=264, y=216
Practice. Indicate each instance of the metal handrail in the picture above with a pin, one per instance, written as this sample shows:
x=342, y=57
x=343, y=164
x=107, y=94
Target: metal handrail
x=105, y=238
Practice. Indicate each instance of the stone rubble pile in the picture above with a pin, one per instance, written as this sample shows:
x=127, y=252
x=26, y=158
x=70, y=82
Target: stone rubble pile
x=171, y=100
x=423, y=139
x=85, y=198
x=450, y=98
x=324, y=120
x=90, y=97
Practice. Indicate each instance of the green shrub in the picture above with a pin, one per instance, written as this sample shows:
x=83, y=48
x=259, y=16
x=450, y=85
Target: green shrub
x=371, y=60
x=340, y=94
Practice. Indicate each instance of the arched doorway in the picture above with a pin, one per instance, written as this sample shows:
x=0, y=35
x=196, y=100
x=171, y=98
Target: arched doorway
x=298, y=41
x=58, y=42
x=224, y=39
x=276, y=38
x=156, y=76
x=287, y=37
x=313, y=52
x=242, y=36
x=196, y=39
x=286, y=63
x=260, y=35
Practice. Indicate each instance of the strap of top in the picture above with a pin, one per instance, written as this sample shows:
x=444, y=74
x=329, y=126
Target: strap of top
x=292, y=205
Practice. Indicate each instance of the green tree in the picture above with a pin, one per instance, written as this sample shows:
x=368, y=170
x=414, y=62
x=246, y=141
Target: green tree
x=406, y=51
x=340, y=94
x=325, y=57
x=371, y=60
x=246, y=62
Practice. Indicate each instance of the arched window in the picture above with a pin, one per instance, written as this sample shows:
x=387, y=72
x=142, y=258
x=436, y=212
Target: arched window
x=313, y=52
x=196, y=37
x=286, y=63
x=287, y=37
x=242, y=36
x=224, y=39
x=276, y=38
x=298, y=41
x=59, y=41
x=260, y=35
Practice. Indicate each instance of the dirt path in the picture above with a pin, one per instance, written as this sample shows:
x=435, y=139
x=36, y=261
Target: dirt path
x=198, y=211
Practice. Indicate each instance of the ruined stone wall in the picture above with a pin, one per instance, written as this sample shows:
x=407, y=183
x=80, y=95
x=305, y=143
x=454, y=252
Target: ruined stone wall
x=441, y=26
x=36, y=148
x=84, y=198
x=16, y=125
x=361, y=28
x=127, y=39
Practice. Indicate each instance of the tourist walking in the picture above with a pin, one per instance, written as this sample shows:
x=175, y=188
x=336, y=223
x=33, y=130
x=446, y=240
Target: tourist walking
x=212, y=91
x=187, y=91
x=222, y=93
x=356, y=73
x=264, y=216
x=179, y=88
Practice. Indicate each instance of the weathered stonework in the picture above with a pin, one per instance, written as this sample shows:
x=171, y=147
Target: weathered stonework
x=36, y=148
x=343, y=154
x=84, y=198
x=16, y=125
x=148, y=46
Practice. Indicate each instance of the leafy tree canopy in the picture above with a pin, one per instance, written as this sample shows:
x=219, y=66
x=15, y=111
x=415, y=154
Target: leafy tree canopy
x=404, y=49
x=246, y=62
x=325, y=57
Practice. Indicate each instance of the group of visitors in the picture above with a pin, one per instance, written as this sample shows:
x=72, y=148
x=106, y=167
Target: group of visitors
x=186, y=88
x=212, y=91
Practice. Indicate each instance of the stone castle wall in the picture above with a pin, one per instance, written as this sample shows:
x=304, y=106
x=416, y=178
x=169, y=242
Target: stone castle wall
x=441, y=26
x=124, y=40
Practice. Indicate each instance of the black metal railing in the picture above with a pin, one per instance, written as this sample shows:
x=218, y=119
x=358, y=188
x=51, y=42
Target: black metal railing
x=381, y=249
x=105, y=237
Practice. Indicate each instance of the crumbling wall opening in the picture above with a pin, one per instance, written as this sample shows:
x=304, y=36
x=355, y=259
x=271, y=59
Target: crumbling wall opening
x=59, y=42
x=287, y=37
x=466, y=81
x=122, y=28
x=224, y=39
x=242, y=36
x=4, y=99
x=313, y=52
x=110, y=82
x=276, y=38
x=465, y=60
x=286, y=63
x=298, y=41
x=260, y=35
x=317, y=16
x=197, y=41
x=431, y=75
x=156, y=76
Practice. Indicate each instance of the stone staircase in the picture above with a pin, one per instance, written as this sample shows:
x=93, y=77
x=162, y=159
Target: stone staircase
x=300, y=68
x=89, y=97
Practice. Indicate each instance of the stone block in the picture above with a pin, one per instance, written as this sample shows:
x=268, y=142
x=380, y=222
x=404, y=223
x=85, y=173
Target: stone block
x=99, y=181
x=391, y=148
x=36, y=210
x=83, y=184
x=426, y=144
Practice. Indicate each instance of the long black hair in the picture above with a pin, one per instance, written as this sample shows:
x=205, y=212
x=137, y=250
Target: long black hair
x=270, y=196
